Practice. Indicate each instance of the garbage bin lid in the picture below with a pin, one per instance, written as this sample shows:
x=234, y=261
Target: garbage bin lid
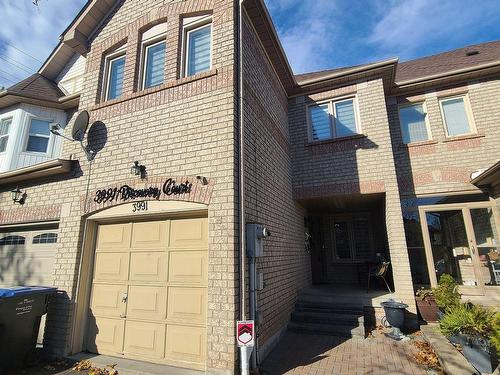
x=394, y=304
x=16, y=291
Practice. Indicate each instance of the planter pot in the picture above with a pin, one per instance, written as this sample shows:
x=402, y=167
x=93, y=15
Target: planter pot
x=478, y=352
x=428, y=308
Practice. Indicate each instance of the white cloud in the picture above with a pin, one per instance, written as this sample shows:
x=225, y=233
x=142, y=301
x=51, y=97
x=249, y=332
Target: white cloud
x=34, y=30
x=307, y=41
x=408, y=26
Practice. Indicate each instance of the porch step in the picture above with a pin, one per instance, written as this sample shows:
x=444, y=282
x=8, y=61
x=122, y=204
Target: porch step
x=319, y=317
x=327, y=329
x=328, y=307
x=338, y=300
x=330, y=317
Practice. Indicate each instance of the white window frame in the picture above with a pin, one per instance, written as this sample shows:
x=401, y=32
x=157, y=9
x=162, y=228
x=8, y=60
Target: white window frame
x=28, y=134
x=426, y=120
x=186, y=31
x=332, y=115
x=468, y=113
x=7, y=135
x=146, y=44
x=108, y=62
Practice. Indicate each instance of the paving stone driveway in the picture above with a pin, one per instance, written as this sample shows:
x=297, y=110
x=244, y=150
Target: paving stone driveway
x=301, y=354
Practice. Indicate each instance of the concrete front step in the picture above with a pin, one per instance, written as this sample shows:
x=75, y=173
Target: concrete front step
x=332, y=299
x=322, y=317
x=340, y=330
x=329, y=307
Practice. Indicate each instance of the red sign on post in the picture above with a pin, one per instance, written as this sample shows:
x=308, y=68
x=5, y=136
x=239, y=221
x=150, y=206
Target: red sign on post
x=245, y=333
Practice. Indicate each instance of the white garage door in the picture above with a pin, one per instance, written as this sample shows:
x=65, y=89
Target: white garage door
x=27, y=258
x=149, y=292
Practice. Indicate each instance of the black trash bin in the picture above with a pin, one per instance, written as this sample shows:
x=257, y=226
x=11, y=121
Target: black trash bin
x=21, y=309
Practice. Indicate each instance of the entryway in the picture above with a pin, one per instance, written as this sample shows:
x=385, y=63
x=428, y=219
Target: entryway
x=149, y=291
x=462, y=240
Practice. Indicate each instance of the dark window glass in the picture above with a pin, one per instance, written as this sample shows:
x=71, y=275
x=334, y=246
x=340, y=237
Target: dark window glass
x=45, y=238
x=12, y=240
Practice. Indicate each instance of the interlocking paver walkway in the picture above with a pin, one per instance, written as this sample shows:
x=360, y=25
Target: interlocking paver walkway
x=301, y=354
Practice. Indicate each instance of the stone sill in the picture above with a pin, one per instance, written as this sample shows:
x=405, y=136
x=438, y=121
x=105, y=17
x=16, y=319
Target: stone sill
x=335, y=140
x=151, y=90
x=418, y=144
x=463, y=137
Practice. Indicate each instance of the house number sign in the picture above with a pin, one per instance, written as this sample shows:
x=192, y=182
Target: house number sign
x=126, y=192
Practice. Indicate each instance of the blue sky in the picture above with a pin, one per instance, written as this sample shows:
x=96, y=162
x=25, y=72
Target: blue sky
x=316, y=34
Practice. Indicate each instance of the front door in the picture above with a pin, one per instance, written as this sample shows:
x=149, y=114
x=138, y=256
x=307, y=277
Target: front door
x=462, y=241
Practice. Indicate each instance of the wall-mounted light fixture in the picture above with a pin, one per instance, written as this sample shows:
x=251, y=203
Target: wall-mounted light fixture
x=18, y=196
x=139, y=170
x=203, y=180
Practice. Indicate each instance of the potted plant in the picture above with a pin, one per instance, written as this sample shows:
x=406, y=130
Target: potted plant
x=426, y=304
x=446, y=294
x=476, y=329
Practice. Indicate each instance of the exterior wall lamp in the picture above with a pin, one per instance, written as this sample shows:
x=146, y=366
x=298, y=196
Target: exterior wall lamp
x=18, y=196
x=139, y=170
x=203, y=180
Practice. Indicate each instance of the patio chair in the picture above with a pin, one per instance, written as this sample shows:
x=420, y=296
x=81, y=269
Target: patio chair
x=495, y=266
x=379, y=271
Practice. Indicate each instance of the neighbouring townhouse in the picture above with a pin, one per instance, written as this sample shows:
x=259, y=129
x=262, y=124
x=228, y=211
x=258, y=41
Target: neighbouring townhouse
x=197, y=129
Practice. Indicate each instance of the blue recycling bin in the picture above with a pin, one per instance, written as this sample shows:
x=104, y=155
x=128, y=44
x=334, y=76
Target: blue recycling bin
x=21, y=309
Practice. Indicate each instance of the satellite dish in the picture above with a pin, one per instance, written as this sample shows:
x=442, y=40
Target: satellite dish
x=80, y=126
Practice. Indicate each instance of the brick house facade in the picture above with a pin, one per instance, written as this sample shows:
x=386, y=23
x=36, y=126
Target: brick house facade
x=187, y=129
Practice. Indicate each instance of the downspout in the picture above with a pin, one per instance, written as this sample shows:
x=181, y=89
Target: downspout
x=244, y=365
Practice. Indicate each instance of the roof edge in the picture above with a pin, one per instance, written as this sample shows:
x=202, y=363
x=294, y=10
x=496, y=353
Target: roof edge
x=450, y=73
x=379, y=64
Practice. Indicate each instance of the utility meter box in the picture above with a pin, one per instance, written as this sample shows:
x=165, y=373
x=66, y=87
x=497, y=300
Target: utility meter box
x=255, y=236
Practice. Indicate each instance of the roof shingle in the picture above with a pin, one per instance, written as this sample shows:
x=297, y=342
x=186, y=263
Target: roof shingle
x=37, y=86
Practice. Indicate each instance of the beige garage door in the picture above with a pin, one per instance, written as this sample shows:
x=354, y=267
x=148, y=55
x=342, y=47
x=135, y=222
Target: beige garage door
x=149, y=292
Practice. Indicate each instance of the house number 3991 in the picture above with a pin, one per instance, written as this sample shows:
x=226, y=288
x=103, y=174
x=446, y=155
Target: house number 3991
x=140, y=206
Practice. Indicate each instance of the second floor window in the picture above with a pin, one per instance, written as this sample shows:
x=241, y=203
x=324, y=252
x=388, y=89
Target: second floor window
x=114, y=78
x=456, y=116
x=198, y=40
x=4, y=133
x=154, y=61
x=38, y=136
x=334, y=119
x=413, y=123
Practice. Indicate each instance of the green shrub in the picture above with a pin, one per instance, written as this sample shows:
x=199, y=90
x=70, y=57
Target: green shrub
x=495, y=336
x=446, y=293
x=472, y=320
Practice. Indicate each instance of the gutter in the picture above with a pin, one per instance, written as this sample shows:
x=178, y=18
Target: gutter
x=278, y=42
x=244, y=351
x=447, y=74
x=347, y=72
x=482, y=178
x=63, y=102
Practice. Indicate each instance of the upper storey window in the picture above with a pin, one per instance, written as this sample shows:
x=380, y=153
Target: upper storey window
x=153, y=56
x=413, y=120
x=115, y=71
x=457, y=116
x=4, y=133
x=153, y=64
x=38, y=136
x=333, y=119
x=197, y=46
